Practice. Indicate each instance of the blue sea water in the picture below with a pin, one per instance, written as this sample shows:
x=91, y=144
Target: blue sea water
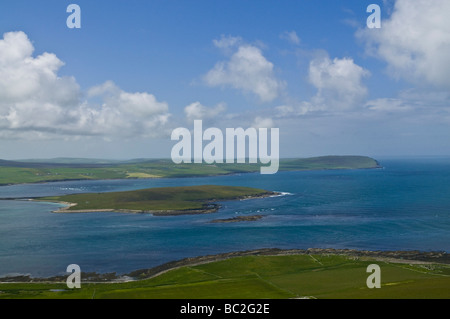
x=403, y=206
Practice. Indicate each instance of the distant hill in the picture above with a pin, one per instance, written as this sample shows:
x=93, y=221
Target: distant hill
x=51, y=163
x=41, y=170
x=329, y=162
x=69, y=160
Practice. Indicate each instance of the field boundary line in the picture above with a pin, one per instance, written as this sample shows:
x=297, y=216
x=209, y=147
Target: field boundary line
x=205, y=272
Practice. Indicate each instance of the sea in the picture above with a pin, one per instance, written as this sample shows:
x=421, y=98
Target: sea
x=405, y=205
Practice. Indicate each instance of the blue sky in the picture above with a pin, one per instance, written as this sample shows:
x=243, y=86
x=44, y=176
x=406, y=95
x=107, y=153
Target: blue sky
x=136, y=70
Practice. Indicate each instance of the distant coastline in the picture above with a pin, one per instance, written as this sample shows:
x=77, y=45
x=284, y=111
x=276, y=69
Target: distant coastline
x=15, y=172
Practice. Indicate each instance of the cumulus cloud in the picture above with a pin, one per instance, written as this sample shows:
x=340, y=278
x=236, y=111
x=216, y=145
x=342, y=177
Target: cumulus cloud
x=246, y=70
x=414, y=41
x=35, y=101
x=338, y=82
x=339, y=88
x=32, y=96
x=197, y=111
x=128, y=113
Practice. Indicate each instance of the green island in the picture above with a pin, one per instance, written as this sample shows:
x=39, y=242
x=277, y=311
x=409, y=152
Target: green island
x=158, y=201
x=62, y=169
x=262, y=274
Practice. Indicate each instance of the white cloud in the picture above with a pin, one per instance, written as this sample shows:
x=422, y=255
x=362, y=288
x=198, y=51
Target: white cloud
x=388, y=105
x=35, y=101
x=126, y=113
x=338, y=82
x=339, y=85
x=24, y=78
x=415, y=102
x=226, y=42
x=247, y=70
x=197, y=111
x=291, y=36
x=263, y=122
x=414, y=41
x=293, y=109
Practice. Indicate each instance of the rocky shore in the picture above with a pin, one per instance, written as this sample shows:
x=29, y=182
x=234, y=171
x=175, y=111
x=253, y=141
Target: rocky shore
x=411, y=257
x=208, y=208
x=238, y=219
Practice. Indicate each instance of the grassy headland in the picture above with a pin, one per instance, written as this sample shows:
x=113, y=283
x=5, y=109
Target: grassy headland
x=159, y=201
x=17, y=172
x=264, y=274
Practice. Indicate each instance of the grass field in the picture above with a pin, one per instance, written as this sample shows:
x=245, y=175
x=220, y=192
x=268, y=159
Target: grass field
x=32, y=172
x=156, y=199
x=262, y=277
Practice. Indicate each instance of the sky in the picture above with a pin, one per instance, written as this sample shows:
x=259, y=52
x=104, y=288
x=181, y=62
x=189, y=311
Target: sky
x=118, y=86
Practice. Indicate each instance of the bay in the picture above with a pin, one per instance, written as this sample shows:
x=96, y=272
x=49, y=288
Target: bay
x=404, y=206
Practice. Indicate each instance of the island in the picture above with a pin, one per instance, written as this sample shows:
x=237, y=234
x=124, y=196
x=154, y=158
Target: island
x=162, y=201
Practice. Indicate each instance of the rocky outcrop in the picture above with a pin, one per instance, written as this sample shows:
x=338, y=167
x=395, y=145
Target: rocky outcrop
x=238, y=219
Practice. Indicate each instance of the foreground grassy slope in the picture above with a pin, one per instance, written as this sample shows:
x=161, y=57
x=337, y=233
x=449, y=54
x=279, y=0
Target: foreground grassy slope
x=292, y=276
x=155, y=199
x=37, y=171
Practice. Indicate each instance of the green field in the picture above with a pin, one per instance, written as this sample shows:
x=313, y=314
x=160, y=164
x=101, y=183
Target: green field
x=157, y=199
x=258, y=277
x=14, y=172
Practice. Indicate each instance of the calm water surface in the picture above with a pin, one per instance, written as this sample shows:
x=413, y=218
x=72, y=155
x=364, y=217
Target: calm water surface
x=405, y=206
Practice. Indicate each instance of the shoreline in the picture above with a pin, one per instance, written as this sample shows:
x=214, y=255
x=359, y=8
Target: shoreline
x=184, y=176
x=396, y=256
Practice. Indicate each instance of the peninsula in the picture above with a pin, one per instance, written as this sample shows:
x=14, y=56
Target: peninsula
x=63, y=169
